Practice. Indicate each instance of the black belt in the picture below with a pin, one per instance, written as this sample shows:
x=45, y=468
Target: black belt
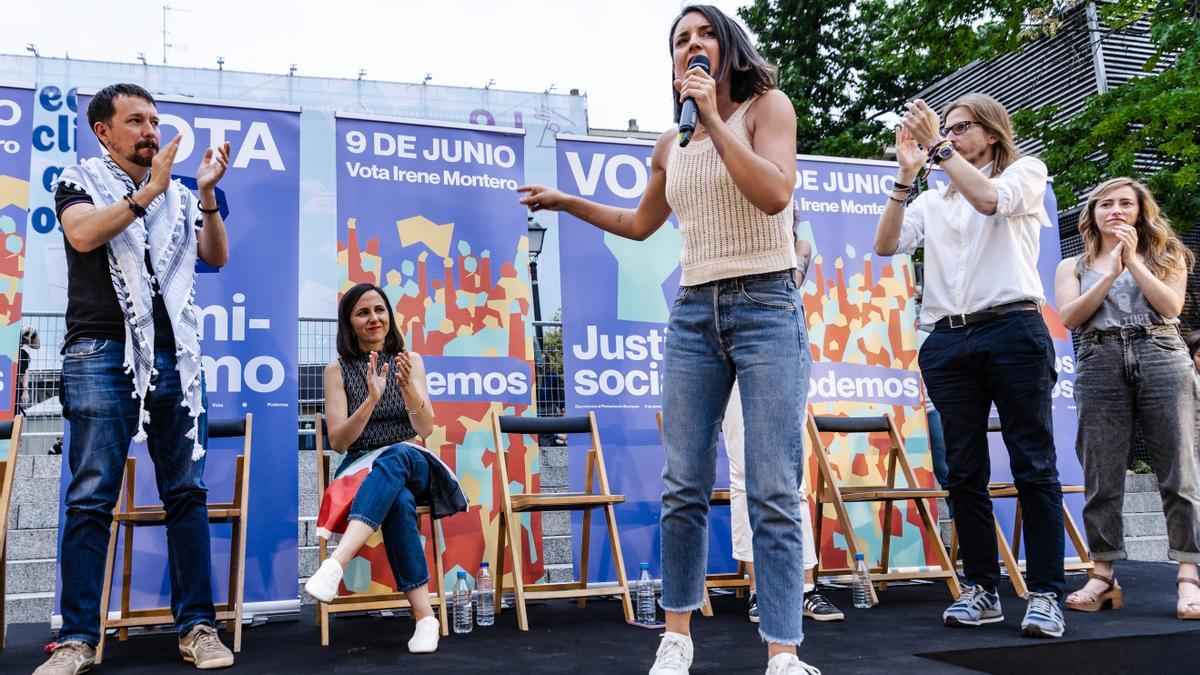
x=984, y=315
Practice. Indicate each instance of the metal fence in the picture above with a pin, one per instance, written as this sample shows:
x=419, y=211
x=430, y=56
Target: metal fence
x=38, y=392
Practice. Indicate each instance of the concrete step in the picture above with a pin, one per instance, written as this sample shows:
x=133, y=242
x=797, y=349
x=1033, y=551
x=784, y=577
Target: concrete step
x=1144, y=524
x=559, y=550
x=32, y=544
x=29, y=607
x=1140, y=482
x=1143, y=502
x=31, y=576
x=1149, y=548
x=559, y=574
x=556, y=523
x=34, y=515
x=308, y=561
x=308, y=532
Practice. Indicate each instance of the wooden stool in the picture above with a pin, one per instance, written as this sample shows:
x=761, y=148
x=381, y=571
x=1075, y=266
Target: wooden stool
x=128, y=516
x=368, y=602
x=829, y=491
x=532, y=502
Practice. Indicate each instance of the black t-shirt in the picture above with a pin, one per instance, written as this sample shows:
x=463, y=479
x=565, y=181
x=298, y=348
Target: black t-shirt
x=92, y=307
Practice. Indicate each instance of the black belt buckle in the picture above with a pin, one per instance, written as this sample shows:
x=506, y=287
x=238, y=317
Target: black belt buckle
x=962, y=320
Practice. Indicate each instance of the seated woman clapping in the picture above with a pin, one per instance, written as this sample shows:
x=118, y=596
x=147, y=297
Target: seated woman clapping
x=377, y=405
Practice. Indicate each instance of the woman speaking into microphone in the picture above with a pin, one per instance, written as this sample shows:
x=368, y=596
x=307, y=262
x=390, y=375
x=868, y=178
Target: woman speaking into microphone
x=737, y=314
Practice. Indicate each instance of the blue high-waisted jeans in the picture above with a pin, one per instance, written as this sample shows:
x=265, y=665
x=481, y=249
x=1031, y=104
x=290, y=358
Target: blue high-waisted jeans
x=750, y=327
x=387, y=501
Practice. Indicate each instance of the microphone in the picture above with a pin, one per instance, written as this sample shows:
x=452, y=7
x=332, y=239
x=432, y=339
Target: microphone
x=687, y=116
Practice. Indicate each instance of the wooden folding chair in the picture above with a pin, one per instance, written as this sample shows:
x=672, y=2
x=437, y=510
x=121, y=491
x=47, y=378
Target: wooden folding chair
x=127, y=515
x=830, y=491
x=10, y=431
x=738, y=580
x=1011, y=555
x=367, y=602
x=530, y=502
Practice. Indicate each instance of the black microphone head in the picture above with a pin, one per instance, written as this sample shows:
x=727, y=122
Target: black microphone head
x=700, y=61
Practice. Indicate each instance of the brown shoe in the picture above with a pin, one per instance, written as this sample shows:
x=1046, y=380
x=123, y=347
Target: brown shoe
x=68, y=658
x=202, y=647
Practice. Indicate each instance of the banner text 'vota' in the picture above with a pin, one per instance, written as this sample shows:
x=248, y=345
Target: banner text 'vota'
x=468, y=158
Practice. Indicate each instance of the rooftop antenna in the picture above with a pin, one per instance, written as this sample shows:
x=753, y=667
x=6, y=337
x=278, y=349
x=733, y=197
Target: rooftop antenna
x=142, y=57
x=166, y=35
x=428, y=77
x=32, y=48
x=220, y=63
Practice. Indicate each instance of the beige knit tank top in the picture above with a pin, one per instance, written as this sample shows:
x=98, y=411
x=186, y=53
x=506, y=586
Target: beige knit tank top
x=724, y=235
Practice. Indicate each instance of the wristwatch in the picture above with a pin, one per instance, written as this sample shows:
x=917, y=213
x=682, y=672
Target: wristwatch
x=942, y=151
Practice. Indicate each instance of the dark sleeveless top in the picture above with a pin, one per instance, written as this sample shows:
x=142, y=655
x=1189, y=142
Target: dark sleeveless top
x=389, y=421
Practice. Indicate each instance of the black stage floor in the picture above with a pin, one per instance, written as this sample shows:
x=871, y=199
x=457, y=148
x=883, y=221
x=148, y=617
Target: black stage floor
x=902, y=635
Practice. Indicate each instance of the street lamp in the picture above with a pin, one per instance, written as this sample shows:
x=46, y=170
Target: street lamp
x=537, y=235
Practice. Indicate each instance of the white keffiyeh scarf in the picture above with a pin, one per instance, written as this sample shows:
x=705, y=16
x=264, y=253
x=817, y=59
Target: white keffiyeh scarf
x=167, y=232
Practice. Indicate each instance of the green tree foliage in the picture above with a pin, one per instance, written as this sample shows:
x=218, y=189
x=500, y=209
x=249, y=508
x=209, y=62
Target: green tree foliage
x=850, y=65
x=1159, y=113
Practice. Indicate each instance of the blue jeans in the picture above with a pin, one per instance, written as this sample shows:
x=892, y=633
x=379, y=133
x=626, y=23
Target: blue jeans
x=387, y=501
x=751, y=328
x=98, y=403
x=1009, y=361
x=937, y=447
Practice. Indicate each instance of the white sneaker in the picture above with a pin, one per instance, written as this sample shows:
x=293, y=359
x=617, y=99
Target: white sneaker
x=674, y=655
x=323, y=584
x=789, y=664
x=425, y=637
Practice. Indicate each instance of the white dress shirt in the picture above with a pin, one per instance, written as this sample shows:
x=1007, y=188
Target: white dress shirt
x=973, y=261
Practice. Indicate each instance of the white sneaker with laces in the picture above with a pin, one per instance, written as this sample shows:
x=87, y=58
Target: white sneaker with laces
x=674, y=655
x=425, y=637
x=323, y=584
x=789, y=664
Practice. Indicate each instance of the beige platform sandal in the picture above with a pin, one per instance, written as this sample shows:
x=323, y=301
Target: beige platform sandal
x=1087, y=601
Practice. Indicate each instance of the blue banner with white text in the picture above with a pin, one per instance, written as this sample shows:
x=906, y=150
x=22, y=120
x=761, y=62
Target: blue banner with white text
x=248, y=329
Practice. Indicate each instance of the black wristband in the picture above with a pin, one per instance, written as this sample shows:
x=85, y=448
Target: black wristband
x=215, y=209
x=138, y=210
x=901, y=186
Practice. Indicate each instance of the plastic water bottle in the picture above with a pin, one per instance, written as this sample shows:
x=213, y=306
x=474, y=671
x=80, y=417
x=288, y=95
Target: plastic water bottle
x=484, y=596
x=645, y=596
x=861, y=588
x=462, y=604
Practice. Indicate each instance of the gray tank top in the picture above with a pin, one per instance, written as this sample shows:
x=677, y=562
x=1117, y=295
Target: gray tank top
x=1125, y=304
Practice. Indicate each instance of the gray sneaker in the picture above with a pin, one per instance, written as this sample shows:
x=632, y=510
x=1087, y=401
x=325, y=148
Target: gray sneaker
x=68, y=658
x=202, y=647
x=975, y=606
x=1043, y=617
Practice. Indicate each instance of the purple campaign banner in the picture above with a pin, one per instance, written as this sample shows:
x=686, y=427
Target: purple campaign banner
x=859, y=310
x=249, y=339
x=16, y=125
x=617, y=297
